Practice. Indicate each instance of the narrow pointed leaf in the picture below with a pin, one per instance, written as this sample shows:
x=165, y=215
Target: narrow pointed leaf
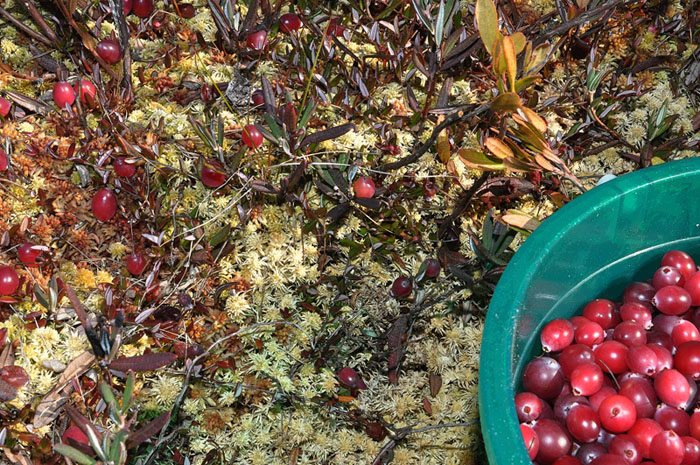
x=506, y=102
x=487, y=22
x=478, y=160
x=148, y=431
x=327, y=134
x=146, y=362
x=498, y=147
x=509, y=55
x=74, y=454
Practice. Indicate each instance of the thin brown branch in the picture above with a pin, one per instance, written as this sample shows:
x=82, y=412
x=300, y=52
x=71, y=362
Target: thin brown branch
x=583, y=18
x=24, y=28
x=463, y=202
x=39, y=20
x=123, y=28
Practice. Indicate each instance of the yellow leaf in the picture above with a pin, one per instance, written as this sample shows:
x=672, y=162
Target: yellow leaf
x=520, y=220
x=533, y=118
x=657, y=161
x=511, y=61
x=519, y=40
x=479, y=161
x=443, y=143
x=499, y=62
x=543, y=162
x=487, y=22
x=498, y=147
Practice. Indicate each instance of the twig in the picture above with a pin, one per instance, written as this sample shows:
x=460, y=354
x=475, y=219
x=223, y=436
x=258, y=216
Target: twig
x=118, y=14
x=579, y=20
x=24, y=28
x=451, y=119
x=39, y=20
x=463, y=202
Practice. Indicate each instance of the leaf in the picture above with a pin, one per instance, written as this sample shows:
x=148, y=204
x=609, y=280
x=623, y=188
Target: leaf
x=479, y=161
x=525, y=82
x=443, y=143
x=74, y=454
x=146, y=362
x=20, y=458
x=370, y=203
x=514, y=164
x=519, y=41
x=487, y=22
x=537, y=59
x=508, y=101
x=338, y=211
x=435, y=382
x=327, y=134
x=268, y=95
x=50, y=406
x=80, y=420
x=520, y=220
x=536, y=120
x=498, y=148
x=511, y=60
x=152, y=428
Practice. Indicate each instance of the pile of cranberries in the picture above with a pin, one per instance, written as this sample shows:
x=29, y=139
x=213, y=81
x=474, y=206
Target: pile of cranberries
x=617, y=385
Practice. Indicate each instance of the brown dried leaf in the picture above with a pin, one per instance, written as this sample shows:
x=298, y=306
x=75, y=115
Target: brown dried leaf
x=435, y=384
x=7, y=357
x=427, y=406
x=146, y=362
x=19, y=458
x=151, y=429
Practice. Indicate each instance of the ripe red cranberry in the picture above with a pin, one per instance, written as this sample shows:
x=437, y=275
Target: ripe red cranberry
x=213, y=174
x=186, y=10
x=639, y=292
x=695, y=425
x=662, y=339
x=643, y=431
x=350, y=379
x=3, y=160
x=135, y=263
x=672, y=388
x=127, y=4
x=14, y=376
x=583, y=423
x=687, y=359
x=433, y=269
x=257, y=40
x=634, y=311
x=692, y=285
x=588, y=453
x=611, y=357
x=251, y=136
x=4, y=107
x=589, y=334
x=75, y=434
x=664, y=359
x=564, y=403
x=609, y=459
x=602, y=311
x=666, y=323
x=9, y=281
x=617, y=414
x=104, y=204
x=142, y=8
x=289, y=22
x=557, y=335
x=85, y=88
x=364, y=187
x=667, y=448
x=532, y=443
x=109, y=50
x=680, y=260
x=258, y=98
x=667, y=276
x=627, y=447
x=596, y=399
x=27, y=254
x=684, y=331
x=554, y=441
x=123, y=168
x=673, y=419
x=641, y=392
x=401, y=287
x=692, y=451
x=586, y=379
x=63, y=94
x=630, y=333
x=567, y=460
x=528, y=406
x=574, y=355
x=642, y=360
x=672, y=300
x=543, y=377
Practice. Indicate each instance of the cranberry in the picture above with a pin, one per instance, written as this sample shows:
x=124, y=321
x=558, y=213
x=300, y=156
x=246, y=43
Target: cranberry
x=589, y=334
x=257, y=40
x=63, y=94
x=667, y=276
x=667, y=448
x=672, y=300
x=186, y=10
x=687, y=359
x=543, y=377
x=73, y=433
x=630, y=333
x=692, y=285
x=666, y=323
x=694, y=425
x=127, y=4
x=28, y=254
x=258, y=98
x=641, y=392
x=567, y=460
x=350, y=379
x=634, y=311
x=639, y=292
x=528, y=406
x=596, y=399
x=251, y=136
x=123, y=168
x=289, y=22
x=609, y=459
x=583, y=423
x=142, y=8
x=574, y=355
x=692, y=451
x=433, y=269
x=672, y=388
x=4, y=107
x=589, y=453
x=643, y=432
x=554, y=441
x=602, y=311
x=401, y=287
x=673, y=419
x=135, y=263
x=627, y=447
x=364, y=187
x=532, y=443
x=9, y=281
x=617, y=414
x=85, y=89
x=376, y=431
x=658, y=338
x=104, y=204
x=109, y=50
x=564, y=403
x=557, y=335
x=213, y=174
x=14, y=376
x=684, y=331
x=664, y=359
x=680, y=260
x=586, y=379
x=641, y=359
x=611, y=357
x=334, y=28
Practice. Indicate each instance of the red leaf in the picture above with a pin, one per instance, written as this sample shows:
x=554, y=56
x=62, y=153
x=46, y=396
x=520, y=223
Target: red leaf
x=152, y=428
x=145, y=362
x=14, y=375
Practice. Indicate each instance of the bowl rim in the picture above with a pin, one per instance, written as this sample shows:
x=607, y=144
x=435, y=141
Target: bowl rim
x=495, y=383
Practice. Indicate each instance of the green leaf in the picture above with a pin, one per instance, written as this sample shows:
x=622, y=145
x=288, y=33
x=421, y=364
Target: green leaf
x=41, y=297
x=220, y=236
x=479, y=161
x=508, y=101
x=274, y=127
x=421, y=271
x=519, y=40
x=487, y=22
x=107, y=393
x=74, y=454
x=306, y=116
x=525, y=82
x=420, y=12
x=128, y=392
x=487, y=231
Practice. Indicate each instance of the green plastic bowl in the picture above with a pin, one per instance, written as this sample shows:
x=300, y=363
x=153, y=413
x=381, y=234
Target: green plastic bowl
x=593, y=247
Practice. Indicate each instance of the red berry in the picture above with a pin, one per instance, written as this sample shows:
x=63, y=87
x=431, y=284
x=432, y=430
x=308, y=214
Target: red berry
x=667, y=448
x=639, y=292
x=672, y=388
x=672, y=300
x=609, y=459
x=692, y=451
x=583, y=423
x=74, y=433
x=63, y=94
x=673, y=419
x=667, y=276
x=586, y=379
x=257, y=40
x=213, y=174
x=528, y=406
x=186, y=10
x=251, y=136
x=532, y=444
x=694, y=425
x=643, y=432
x=127, y=4
x=630, y=333
x=14, y=376
x=664, y=359
x=617, y=414
x=567, y=460
x=289, y=22
x=85, y=88
x=334, y=28
x=135, y=263
x=642, y=360
x=611, y=357
x=574, y=355
x=554, y=441
x=9, y=281
x=543, y=377
x=123, y=168
x=142, y=8
x=27, y=254
x=641, y=392
x=4, y=107
x=634, y=311
x=258, y=98
x=557, y=335
x=666, y=323
x=401, y=287
x=661, y=339
x=596, y=399
x=602, y=311
x=565, y=402
x=681, y=261
x=364, y=187
x=589, y=333
x=627, y=447
x=109, y=50
x=684, y=331
x=433, y=269
x=349, y=378
x=104, y=204
x=687, y=359
x=692, y=285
